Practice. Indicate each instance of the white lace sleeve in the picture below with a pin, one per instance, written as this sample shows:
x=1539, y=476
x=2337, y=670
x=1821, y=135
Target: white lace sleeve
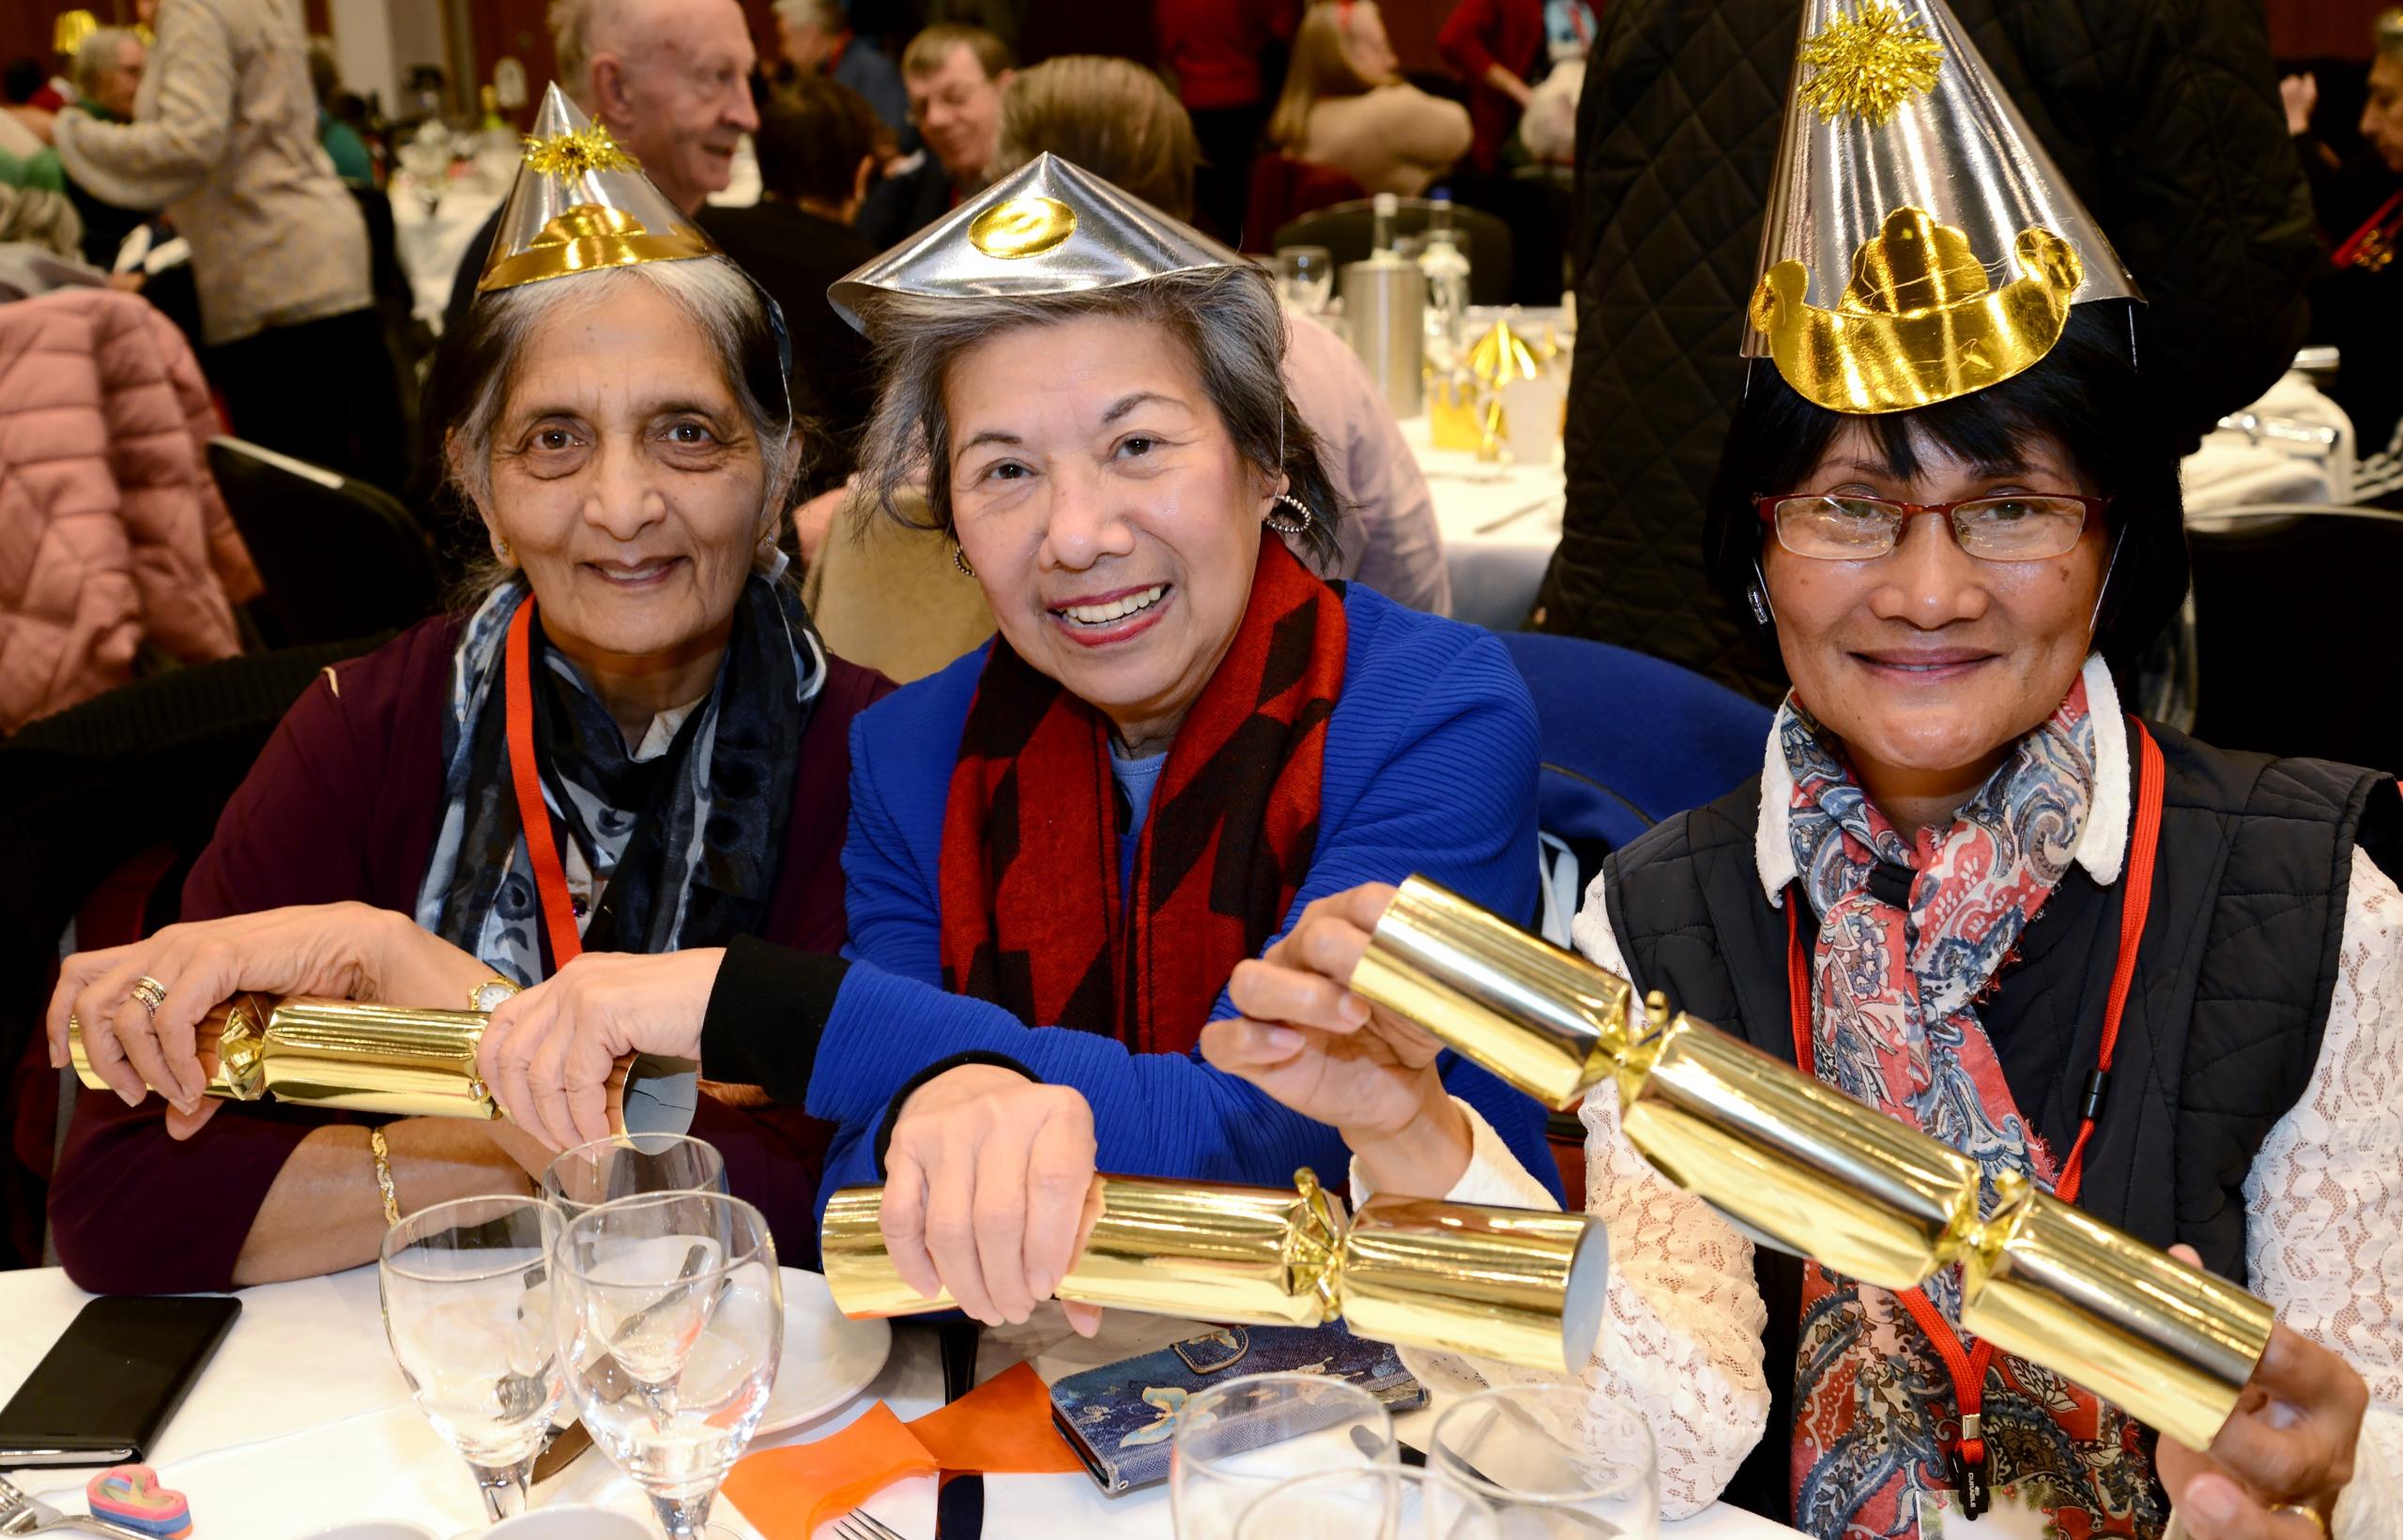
x=2325, y=1198
x=1682, y=1335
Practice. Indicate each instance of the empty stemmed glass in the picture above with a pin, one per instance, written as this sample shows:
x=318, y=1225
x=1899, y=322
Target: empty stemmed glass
x=467, y=1308
x=1237, y=1443
x=671, y=1320
x=629, y=1165
x=1375, y=1502
x=1306, y=276
x=1554, y=1463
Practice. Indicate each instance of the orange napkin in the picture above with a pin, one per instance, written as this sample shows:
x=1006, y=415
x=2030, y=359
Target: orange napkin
x=1002, y=1427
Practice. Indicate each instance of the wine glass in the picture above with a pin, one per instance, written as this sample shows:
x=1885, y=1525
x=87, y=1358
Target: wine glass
x=467, y=1307
x=425, y=155
x=1237, y=1443
x=630, y=1165
x=1553, y=1464
x=671, y=1320
x=1378, y=1502
x=1306, y=276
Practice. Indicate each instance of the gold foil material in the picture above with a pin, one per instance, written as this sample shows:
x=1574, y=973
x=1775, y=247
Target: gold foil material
x=1022, y=227
x=2057, y=1287
x=1545, y=1020
x=1522, y=1288
x=1919, y=323
x=1918, y=243
x=579, y=204
x=1465, y=406
x=1868, y=64
x=1807, y=1168
x=339, y=1053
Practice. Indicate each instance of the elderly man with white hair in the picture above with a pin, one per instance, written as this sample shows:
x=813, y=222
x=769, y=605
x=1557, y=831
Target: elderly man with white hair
x=672, y=81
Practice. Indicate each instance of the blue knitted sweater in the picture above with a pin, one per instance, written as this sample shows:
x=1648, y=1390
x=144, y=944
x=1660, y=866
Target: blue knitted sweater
x=1430, y=767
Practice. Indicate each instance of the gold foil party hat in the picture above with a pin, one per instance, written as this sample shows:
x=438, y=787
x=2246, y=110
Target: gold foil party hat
x=1050, y=227
x=580, y=203
x=1920, y=243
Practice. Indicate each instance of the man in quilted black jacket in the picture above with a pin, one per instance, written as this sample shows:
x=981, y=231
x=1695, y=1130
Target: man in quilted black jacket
x=2165, y=116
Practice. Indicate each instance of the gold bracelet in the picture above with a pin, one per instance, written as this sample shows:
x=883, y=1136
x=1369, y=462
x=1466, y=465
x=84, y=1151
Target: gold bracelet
x=384, y=1174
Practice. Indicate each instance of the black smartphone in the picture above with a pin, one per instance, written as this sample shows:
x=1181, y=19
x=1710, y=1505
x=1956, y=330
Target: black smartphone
x=106, y=1389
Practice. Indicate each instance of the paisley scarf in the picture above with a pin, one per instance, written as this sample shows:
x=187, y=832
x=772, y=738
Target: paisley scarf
x=675, y=843
x=1032, y=918
x=1895, y=1027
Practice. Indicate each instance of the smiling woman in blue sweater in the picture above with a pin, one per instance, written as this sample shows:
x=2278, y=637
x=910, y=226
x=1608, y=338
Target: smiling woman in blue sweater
x=1065, y=845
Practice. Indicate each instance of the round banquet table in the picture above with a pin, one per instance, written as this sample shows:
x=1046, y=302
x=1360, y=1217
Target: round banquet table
x=301, y=1421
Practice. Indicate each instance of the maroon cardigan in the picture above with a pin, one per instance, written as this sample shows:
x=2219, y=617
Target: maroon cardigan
x=343, y=803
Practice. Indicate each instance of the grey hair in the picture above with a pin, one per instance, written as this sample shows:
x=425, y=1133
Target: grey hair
x=98, y=51
x=479, y=363
x=578, y=27
x=1228, y=319
x=826, y=14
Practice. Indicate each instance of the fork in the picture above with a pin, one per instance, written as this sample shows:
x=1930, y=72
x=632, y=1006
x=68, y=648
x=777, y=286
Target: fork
x=859, y=1524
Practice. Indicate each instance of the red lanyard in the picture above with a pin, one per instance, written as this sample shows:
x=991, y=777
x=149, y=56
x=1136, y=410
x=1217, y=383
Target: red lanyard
x=1967, y=1363
x=1577, y=20
x=534, y=816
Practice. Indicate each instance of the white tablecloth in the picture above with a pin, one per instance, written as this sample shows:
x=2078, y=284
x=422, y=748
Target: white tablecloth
x=430, y=248
x=302, y=1422
x=1500, y=521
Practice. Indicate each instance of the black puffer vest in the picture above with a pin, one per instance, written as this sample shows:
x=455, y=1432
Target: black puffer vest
x=2222, y=1028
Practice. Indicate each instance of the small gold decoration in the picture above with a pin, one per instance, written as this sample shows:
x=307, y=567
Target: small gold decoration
x=1022, y=227
x=1464, y=411
x=1868, y=64
x=67, y=33
x=1921, y=321
x=577, y=153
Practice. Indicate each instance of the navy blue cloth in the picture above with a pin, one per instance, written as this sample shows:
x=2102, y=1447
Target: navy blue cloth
x=1430, y=768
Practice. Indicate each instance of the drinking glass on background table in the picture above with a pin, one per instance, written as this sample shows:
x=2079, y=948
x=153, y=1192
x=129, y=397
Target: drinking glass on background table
x=1381, y=1503
x=670, y=1318
x=467, y=1307
x=1553, y=1465
x=1306, y=276
x=1237, y=1442
x=630, y=1166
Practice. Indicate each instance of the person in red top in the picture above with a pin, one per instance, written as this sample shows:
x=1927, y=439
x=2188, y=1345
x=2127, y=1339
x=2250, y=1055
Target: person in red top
x=1502, y=48
x=1217, y=53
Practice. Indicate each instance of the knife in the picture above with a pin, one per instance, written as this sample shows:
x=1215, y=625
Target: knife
x=960, y=1501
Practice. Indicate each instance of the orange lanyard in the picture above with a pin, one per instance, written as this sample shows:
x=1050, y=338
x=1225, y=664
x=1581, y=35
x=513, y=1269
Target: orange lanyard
x=534, y=816
x=1966, y=1363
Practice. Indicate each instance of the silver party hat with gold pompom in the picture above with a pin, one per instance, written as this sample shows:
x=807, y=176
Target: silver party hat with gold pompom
x=580, y=203
x=1050, y=227
x=1920, y=243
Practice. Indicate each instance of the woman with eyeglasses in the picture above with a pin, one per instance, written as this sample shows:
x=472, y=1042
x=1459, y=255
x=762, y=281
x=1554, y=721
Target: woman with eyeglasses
x=2161, y=981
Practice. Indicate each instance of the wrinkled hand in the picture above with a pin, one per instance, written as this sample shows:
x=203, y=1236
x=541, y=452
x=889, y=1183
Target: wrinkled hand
x=985, y=1189
x=2300, y=95
x=1308, y=1040
x=549, y=1053
x=346, y=951
x=2291, y=1441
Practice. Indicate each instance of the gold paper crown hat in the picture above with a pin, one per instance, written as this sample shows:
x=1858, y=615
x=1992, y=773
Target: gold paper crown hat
x=580, y=203
x=1920, y=243
x=1050, y=227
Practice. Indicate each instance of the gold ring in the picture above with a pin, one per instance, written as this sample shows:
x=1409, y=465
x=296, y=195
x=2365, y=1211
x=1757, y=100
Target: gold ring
x=2304, y=1510
x=149, y=991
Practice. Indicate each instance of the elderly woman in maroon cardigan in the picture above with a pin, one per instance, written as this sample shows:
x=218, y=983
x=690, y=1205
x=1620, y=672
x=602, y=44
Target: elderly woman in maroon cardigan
x=637, y=662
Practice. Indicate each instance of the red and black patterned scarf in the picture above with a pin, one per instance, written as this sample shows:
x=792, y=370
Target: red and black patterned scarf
x=1032, y=918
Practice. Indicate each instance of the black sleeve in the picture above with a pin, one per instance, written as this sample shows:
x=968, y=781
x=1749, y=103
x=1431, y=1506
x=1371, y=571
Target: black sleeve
x=766, y=1011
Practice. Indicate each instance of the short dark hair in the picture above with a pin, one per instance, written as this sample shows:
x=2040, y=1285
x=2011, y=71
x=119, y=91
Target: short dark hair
x=933, y=45
x=2085, y=394
x=813, y=135
x=20, y=80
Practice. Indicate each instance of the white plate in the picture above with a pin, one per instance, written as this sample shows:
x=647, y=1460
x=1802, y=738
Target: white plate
x=828, y=1358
